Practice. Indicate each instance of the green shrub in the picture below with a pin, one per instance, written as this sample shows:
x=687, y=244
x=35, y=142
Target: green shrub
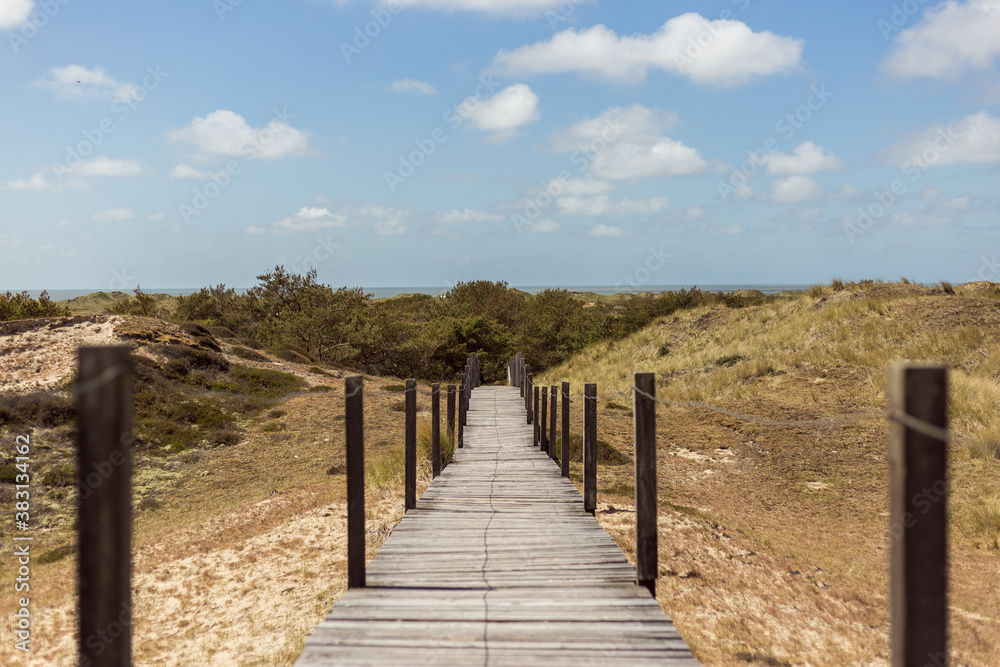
x=248, y=354
x=261, y=382
x=60, y=475
x=23, y=307
x=291, y=355
x=56, y=554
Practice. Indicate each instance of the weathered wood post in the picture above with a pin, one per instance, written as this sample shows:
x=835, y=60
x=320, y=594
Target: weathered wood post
x=918, y=527
x=590, y=447
x=411, y=444
x=543, y=438
x=451, y=414
x=564, y=454
x=104, y=469
x=535, y=418
x=553, y=391
x=461, y=416
x=435, y=430
x=644, y=411
x=354, y=429
x=527, y=397
x=526, y=394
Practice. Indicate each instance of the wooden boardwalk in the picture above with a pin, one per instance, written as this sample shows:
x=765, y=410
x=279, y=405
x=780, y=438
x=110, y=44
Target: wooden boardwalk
x=498, y=565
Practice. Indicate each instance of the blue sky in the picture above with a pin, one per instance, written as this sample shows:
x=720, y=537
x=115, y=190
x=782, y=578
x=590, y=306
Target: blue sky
x=423, y=142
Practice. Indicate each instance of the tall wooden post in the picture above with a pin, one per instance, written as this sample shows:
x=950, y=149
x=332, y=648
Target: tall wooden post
x=354, y=429
x=435, y=429
x=461, y=416
x=543, y=438
x=451, y=414
x=564, y=454
x=527, y=398
x=104, y=469
x=554, y=393
x=590, y=447
x=644, y=411
x=411, y=444
x=536, y=436
x=918, y=529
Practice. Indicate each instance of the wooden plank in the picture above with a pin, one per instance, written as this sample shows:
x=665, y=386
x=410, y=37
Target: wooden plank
x=498, y=564
x=104, y=465
x=918, y=527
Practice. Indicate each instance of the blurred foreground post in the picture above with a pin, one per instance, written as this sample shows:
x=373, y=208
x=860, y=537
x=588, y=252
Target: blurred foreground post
x=554, y=392
x=411, y=444
x=104, y=465
x=590, y=447
x=918, y=527
x=644, y=412
x=354, y=413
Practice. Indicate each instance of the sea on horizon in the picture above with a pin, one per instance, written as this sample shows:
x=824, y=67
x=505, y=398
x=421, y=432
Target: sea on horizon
x=383, y=292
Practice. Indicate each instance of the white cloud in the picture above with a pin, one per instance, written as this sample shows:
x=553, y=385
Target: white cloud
x=791, y=189
x=75, y=82
x=41, y=183
x=227, y=133
x=309, y=219
x=64, y=223
x=105, y=166
x=626, y=143
x=542, y=226
x=974, y=139
x=14, y=12
x=606, y=231
x=633, y=124
x=602, y=205
x=729, y=230
x=159, y=215
x=665, y=157
x=411, y=86
x=388, y=221
x=846, y=191
x=732, y=55
x=806, y=158
x=187, y=171
x=503, y=113
x=579, y=186
x=951, y=38
x=254, y=230
x=112, y=215
x=466, y=215
x=512, y=8
x=695, y=213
